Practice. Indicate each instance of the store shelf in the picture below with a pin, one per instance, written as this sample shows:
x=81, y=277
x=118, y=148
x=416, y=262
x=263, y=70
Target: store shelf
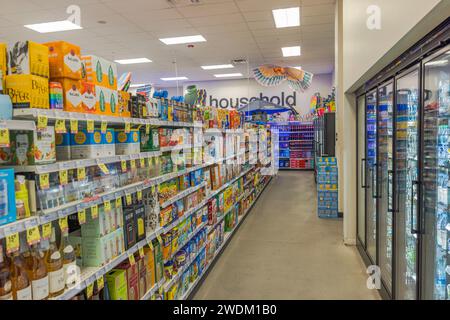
x=17, y=125
x=152, y=291
x=180, y=246
x=175, y=148
x=182, y=194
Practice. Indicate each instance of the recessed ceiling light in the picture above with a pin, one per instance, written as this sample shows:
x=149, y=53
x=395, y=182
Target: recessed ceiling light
x=186, y=39
x=133, y=61
x=226, y=75
x=291, y=51
x=54, y=26
x=289, y=17
x=134, y=85
x=218, y=66
x=174, y=78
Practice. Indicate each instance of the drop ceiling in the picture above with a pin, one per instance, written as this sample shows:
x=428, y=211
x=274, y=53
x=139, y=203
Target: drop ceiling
x=233, y=29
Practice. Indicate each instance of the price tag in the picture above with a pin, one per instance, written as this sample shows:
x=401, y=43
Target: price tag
x=144, y=112
x=4, y=138
x=60, y=126
x=33, y=235
x=127, y=127
x=123, y=165
x=63, y=224
x=150, y=245
x=159, y=239
x=107, y=206
x=46, y=231
x=104, y=168
x=42, y=122
x=90, y=290
x=131, y=258
x=44, y=181
x=118, y=202
x=12, y=242
x=82, y=216
x=141, y=252
x=128, y=198
x=63, y=180
x=149, y=160
x=139, y=195
x=142, y=162
x=81, y=173
x=133, y=164
x=147, y=128
x=94, y=211
x=90, y=126
x=104, y=126
x=74, y=126
x=100, y=283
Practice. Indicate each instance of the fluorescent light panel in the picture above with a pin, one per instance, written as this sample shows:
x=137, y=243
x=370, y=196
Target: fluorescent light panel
x=291, y=51
x=174, y=78
x=289, y=17
x=226, y=75
x=55, y=26
x=218, y=66
x=133, y=61
x=299, y=68
x=180, y=40
x=137, y=85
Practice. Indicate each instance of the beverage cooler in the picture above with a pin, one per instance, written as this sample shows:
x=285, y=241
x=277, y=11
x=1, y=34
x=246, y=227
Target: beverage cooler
x=324, y=137
x=403, y=166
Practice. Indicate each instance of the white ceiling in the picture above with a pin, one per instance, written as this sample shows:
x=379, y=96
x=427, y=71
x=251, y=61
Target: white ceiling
x=233, y=29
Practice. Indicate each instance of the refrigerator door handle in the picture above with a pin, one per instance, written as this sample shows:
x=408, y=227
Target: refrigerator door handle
x=363, y=173
x=373, y=180
x=390, y=208
x=413, y=230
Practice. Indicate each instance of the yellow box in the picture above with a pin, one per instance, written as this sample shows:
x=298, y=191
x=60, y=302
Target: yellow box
x=106, y=101
x=3, y=64
x=71, y=93
x=28, y=91
x=99, y=71
x=64, y=60
x=124, y=104
x=28, y=57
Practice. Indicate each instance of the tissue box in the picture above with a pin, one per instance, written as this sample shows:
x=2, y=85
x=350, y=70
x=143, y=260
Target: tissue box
x=62, y=146
x=7, y=196
x=33, y=147
x=124, y=99
x=117, y=284
x=106, y=102
x=28, y=57
x=88, y=97
x=72, y=94
x=99, y=71
x=127, y=143
x=64, y=60
x=28, y=91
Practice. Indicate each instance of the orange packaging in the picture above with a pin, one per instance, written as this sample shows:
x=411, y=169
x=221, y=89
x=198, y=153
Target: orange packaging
x=88, y=97
x=64, y=59
x=106, y=101
x=72, y=94
x=124, y=104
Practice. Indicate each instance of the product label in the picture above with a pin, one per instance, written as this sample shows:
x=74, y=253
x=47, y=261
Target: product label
x=40, y=288
x=72, y=61
x=74, y=97
x=89, y=101
x=24, y=294
x=70, y=274
x=56, y=279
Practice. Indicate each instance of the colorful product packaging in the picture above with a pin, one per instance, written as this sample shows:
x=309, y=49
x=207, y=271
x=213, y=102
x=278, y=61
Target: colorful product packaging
x=129, y=226
x=85, y=145
x=159, y=262
x=28, y=58
x=142, y=271
x=117, y=284
x=108, y=146
x=72, y=94
x=7, y=196
x=127, y=143
x=3, y=65
x=27, y=91
x=64, y=60
x=99, y=71
x=150, y=141
x=33, y=147
x=124, y=100
x=62, y=146
x=88, y=97
x=132, y=275
x=150, y=267
x=106, y=101
x=56, y=96
x=22, y=199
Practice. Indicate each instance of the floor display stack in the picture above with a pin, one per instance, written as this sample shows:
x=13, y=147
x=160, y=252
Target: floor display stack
x=327, y=187
x=105, y=195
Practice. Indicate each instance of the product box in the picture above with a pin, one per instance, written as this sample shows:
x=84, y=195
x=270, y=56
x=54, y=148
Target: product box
x=100, y=226
x=28, y=91
x=88, y=97
x=129, y=226
x=62, y=146
x=124, y=100
x=33, y=147
x=127, y=143
x=108, y=146
x=72, y=94
x=149, y=142
x=106, y=101
x=142, y=271
x=117, y=284
x=28, y=57
x=85, y=145
x=96, y=251
x=132, y=274
x=64, y=60
x=139, y=222
x=3, y=65
x=99, y=71
x=150, y=267
x=7, y=196
x=159, y=262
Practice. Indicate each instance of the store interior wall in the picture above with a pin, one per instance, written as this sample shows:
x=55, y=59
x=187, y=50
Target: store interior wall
x=361, y=53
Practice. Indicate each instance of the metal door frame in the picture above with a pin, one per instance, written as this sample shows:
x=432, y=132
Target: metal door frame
x=361, y=244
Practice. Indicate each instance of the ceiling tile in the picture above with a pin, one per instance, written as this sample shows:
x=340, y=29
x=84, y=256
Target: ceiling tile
x=208, y=10
x=216, y=20
x=252, y=5
x=258, y=25
x=264, y=15
x=314, y=20
x=317, y=10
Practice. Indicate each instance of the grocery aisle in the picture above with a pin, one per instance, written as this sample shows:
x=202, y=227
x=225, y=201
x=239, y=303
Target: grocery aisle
x=283, y=251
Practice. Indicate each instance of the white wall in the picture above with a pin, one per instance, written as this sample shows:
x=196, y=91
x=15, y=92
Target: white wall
x=244, y=88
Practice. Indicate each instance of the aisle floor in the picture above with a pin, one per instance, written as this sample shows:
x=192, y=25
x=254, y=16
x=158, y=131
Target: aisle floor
x=283, y=250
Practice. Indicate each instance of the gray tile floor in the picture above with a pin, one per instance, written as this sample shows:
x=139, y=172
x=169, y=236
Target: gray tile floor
x=283, y=251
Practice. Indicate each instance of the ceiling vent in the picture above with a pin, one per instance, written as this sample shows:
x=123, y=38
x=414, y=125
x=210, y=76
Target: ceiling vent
x=239, y=61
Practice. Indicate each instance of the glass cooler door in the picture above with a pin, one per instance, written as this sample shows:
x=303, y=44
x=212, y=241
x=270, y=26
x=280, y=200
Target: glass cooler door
x=436, y=165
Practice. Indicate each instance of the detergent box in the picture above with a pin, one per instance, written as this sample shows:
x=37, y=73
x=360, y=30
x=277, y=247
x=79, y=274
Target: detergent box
x=28, y=57
x=86, y=145
x=88, y=97
x=33, y=147
x=62, y=146
x=106, y=101
x=64, y=60
x=28, y=91
x=71, y=94
x=127, y=143
x=99, y=71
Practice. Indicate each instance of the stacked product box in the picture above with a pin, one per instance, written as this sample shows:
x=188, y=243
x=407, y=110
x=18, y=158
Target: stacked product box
x=327, y=187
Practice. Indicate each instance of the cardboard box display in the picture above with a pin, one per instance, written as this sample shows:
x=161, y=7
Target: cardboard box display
x=64, y=60
x=106, y=102
x=124, y=101
x=99, y=71
x=142, y=271
x=150, y=267
x=127, y=143
x=28, y=58
x=88, y=97
x=33, y=147
x=132, y=275
x=28, y=91
x=7, y=196
x=117, y=284
x=72, y=94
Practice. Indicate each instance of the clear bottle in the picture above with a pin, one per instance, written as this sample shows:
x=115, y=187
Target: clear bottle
x=5, y=276
x=69, y=261
x=54, y=262
x=21, y=284
x=37, y=272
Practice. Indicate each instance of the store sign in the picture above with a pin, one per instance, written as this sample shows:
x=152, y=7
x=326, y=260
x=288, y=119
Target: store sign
x=284, y=99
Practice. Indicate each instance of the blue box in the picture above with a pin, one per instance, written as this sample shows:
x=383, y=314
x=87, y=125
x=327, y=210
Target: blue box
x=7, y=196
